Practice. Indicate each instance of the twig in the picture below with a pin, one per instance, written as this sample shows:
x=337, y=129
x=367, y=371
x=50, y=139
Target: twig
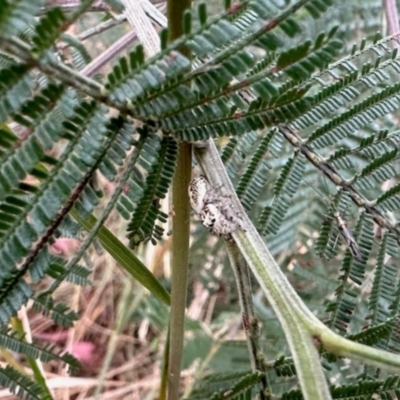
x=249, y=319
x=142, y=26
x=295, y=140
x=72, y=5
x=392, y=19
x=96, y=30
x=105, y=57
x=67, y=75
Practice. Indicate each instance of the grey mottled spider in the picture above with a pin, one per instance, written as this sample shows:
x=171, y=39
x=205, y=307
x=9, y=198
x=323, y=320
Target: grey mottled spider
x=215, y=212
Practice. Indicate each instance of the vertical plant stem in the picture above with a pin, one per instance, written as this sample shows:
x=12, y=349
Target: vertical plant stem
x=180, y=204
x=180, y=227
x=164, y=370
x=180, y=257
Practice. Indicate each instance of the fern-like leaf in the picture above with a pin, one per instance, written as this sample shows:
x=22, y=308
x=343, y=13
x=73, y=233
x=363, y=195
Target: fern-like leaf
x=15, y=16
x=254, y=177
x=285, y=186
x=21, y=385
x=142, y=226
x=59, y=313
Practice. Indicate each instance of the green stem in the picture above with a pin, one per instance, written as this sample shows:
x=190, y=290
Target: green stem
x=340, y=346
x=180, y=228
x=165, y=369
x=180, y=259
x=274, y=284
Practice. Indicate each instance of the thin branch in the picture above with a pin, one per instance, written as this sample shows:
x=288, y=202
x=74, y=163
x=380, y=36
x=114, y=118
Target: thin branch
x=392, y=19
x=44, y=239
x=142, y=26
x=72, y=5
x=114, y=50
x=154, y=13
x=137, y=16
x=250, y=321
x=96, y=30
x=296, y=141
x=93, y=232
x=67, y=75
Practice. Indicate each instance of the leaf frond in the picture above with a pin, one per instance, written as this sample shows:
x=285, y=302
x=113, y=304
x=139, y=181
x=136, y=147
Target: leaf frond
x=227, y=386
x=377, y=105
x=59, y=313
x=15, y=16
x=286, y=185
x=253, y=179
x=142, y=225
x=21, y=385
x=13, y=342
